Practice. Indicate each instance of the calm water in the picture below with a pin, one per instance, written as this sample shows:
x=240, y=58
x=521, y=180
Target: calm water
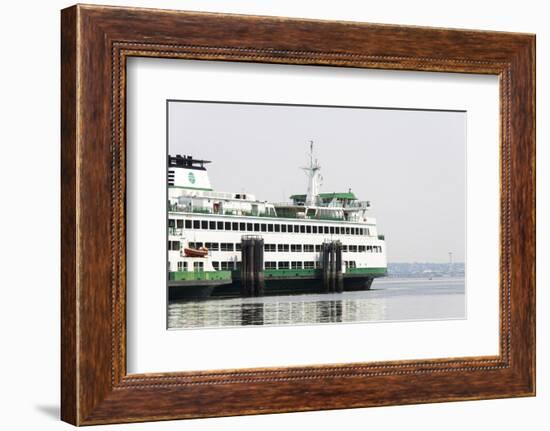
x=388, y=300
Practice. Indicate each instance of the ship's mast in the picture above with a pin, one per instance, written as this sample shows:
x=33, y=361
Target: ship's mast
x=314, y=178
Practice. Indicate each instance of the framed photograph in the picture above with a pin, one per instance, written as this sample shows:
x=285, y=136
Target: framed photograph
x=265, y=214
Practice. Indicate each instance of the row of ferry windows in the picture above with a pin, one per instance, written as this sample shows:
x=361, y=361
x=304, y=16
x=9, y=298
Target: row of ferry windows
x=266, y=227
x=297, y=248
x=230, y=266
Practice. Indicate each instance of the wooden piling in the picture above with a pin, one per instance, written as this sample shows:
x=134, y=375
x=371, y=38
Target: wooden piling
x=259, y=281
x=252, y=266
x=331, y=258
x=325, y=259
x=339, y=276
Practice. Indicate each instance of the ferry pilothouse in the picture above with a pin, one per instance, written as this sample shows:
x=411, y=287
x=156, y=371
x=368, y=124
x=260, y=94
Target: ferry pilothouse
x=232, y=244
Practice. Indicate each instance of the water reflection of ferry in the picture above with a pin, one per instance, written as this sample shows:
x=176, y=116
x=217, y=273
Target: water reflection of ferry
x=231, y=244
x=218, y=313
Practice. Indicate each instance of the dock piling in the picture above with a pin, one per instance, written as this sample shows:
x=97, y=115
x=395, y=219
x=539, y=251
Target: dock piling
x=332, y=276
x=252, y=266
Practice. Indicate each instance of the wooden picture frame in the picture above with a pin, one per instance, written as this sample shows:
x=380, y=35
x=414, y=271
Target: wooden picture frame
x=95, y=43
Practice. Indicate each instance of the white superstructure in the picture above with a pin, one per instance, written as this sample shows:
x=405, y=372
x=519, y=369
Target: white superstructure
x=293, y=232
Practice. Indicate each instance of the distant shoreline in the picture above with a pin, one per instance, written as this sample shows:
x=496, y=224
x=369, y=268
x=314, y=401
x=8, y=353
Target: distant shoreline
x=418, y=279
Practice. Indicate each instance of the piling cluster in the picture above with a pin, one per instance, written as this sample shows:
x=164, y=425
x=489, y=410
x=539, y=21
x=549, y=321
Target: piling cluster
x=252, y=266
x=331, y=258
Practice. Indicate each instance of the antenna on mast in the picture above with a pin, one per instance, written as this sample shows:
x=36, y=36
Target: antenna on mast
x=314, y=178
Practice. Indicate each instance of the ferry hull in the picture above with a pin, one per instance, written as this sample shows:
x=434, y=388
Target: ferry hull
x=299, y=285
x=193, y=290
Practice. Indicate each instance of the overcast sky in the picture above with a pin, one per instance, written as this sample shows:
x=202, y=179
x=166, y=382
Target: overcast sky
x=409, y=164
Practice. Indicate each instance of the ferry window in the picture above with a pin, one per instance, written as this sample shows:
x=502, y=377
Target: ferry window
x=171, y=222
x=226, y=246
x=353, y=248
x=277, y=227
x=317, y=264
x=196, y=224
x=235, y=225
x=351, y=264
x=296, y=265
x=284, y=265
x=173, y=245
x=256, y=227
x=179, y=224
x=216, y=265
x=213, y=246
x=249, y=226
x=308, y=248
x=182, y=266
x=309, y=265
x=263, y=227
x=271, y=265
x=347, y=231
x=204, y=224
x=332, y=229
x=296, y=248
x=326, y=229
x=227, y=225
x=242, y=226
x=361, y=248
x=308, y=229
x=270, y=228
x=270, y=247
x=224, y=266
x=283, y=228
x=237, y=246
x=367, y=231
x=289, y=228
x=337, y=229
x=212, y=225
x=344, y=248
x=317, y=247
x=302, y=229
x=282, y=247
x=198, y=266
x=296, y=228
x=369, y=248
x=188, y=224
x=314, y=229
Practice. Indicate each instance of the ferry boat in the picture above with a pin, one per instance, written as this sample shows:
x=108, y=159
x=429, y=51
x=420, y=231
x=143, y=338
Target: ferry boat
x=232, y=244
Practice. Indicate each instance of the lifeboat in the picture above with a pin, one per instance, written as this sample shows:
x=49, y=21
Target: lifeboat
x=195, y=252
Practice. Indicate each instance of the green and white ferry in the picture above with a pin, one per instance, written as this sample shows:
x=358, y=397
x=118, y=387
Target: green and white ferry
x=207, y=230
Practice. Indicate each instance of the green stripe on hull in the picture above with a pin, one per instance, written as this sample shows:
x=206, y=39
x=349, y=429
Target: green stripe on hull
x=376, y=272
x=270, y=273
x=199, y=275
x=355, y=272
